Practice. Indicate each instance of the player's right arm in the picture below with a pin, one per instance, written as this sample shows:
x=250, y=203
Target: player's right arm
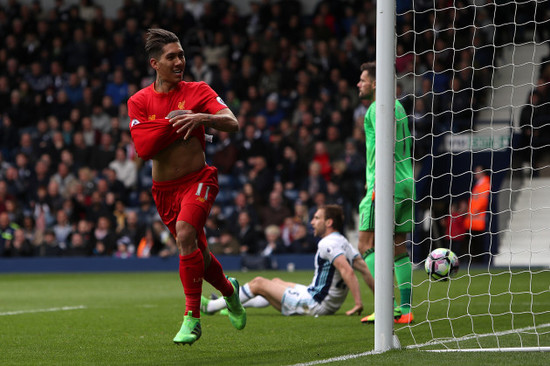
x=348, y=275
x=360, y=266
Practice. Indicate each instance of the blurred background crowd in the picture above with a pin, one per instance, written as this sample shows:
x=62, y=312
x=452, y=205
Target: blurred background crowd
x=72, y=185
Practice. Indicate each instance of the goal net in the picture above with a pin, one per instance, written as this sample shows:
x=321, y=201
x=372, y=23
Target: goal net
x=474, y=77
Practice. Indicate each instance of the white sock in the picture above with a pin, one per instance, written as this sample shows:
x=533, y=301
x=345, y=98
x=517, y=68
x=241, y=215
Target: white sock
x=216, y=305
x=256, y=302
x=245, y=295
x=249, y=300
x=219, y=303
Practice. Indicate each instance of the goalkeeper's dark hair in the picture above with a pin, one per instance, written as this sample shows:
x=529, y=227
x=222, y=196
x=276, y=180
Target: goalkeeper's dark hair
x=336, y=213
x=370, y=67
x=156, y=39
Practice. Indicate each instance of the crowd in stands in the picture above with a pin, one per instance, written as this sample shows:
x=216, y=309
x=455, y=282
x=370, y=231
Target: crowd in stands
x=71, y=183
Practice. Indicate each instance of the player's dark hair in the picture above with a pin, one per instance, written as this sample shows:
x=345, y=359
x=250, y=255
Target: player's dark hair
x=156, y=39
x=336, y=213
x=370, y=67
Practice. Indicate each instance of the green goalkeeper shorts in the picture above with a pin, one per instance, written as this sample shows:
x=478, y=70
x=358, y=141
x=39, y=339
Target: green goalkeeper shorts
x=404, y=215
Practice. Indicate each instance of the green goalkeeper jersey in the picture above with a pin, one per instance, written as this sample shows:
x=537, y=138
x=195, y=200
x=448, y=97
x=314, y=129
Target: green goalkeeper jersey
x=404, y=181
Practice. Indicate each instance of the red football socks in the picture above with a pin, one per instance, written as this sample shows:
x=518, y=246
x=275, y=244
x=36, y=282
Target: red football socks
x=191, y=274
x=214, y=276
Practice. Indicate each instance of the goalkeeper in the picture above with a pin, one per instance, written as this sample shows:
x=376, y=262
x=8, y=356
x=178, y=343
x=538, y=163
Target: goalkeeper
x=403, y=197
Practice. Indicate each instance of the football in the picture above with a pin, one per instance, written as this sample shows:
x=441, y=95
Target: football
x=441, y=264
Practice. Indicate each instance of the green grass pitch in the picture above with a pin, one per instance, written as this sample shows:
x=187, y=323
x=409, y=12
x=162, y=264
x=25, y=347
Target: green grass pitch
x=131, y=318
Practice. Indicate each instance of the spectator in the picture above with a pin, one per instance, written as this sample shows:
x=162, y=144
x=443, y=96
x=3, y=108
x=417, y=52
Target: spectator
x=147, y=246
x=247, y=234
x=125, y=248
x=273, y=243
x=103, y=153
x=303, y=241
x=62, y=229
x=104, y=237
x=147, y=212
x=477, y=217
x=275, y=211
x=272, y=111
x=117, y=89
x=49, y=246
x=261, y=178
x=125, y=169
x=226, y=153
x=64, y=178
x=291, y=169
x=77, y=246
x=101, y=121
x=200, y=70
x=227, y=244
x=7, y=230
x=20, y=245
x=314, y=182
x=322, y=157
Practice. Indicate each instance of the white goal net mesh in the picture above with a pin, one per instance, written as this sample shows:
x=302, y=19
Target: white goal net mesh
x=474, y=77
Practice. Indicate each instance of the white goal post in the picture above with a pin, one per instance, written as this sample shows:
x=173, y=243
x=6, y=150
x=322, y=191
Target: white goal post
x=474, y=77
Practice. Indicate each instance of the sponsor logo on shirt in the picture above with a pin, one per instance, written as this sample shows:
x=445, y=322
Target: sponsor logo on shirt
x=134, y=122
x=220, y=100
x=152, y=117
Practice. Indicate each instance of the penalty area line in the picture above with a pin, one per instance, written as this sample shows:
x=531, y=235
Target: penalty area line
x=30, y=311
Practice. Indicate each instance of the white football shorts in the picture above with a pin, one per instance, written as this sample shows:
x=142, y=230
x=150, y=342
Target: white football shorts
x=298, y=301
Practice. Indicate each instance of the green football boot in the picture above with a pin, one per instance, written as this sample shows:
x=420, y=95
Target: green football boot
x=370, y=318
x=190, y=330
x=237, y=313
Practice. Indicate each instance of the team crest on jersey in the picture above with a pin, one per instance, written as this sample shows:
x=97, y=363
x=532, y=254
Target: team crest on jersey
x=181, y=105
x=152, y=117
x=134, y=122
x=220, y=100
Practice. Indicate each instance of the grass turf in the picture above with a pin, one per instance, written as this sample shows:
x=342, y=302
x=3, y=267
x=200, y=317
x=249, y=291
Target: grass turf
x=131, y=318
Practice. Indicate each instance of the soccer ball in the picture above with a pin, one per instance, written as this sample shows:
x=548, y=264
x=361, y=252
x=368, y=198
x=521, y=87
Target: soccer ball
x=441, y=264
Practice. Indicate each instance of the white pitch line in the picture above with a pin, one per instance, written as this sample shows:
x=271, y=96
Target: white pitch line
x=336, y=359
x=63, y=308
x=369, y=353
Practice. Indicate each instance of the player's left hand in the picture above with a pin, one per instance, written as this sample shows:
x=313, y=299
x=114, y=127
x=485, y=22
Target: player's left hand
x=357, y=309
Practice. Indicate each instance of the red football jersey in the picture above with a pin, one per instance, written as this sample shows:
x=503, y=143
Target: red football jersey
x=148, y=108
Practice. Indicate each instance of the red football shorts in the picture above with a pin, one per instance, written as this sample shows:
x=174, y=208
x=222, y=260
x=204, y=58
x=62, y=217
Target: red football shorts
x=188, y=199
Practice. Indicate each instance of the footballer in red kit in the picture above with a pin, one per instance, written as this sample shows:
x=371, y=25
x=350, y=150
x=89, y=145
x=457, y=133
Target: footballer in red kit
x=167, y=124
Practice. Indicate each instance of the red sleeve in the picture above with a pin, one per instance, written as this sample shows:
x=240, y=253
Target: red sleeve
x=208, y=100
x=149, y=137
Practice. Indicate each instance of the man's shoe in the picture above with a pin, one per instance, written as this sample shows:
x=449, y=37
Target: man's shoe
x=204, y=306
x=236, y=312
x=190, y=330
x=405, y=319
x=370, y=318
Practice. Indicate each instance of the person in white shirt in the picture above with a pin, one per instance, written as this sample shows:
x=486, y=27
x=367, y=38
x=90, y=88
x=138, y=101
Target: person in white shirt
x=126, y=169
x=334, y=276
